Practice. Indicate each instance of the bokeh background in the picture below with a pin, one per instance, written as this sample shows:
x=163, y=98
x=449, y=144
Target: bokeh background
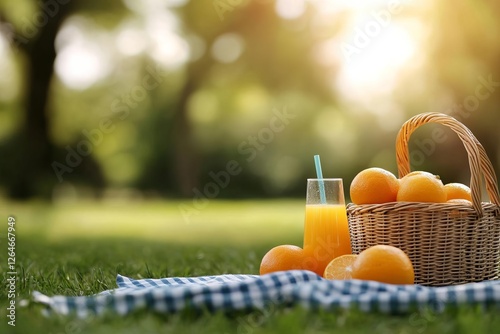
x=152, y=98
x=164, y=138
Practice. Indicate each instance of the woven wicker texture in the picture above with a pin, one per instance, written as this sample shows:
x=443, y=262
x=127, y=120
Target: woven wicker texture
x=448, y=243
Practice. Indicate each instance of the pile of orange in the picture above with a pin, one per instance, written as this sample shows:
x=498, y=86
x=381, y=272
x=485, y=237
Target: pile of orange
x=377, y=186
x=381, y=263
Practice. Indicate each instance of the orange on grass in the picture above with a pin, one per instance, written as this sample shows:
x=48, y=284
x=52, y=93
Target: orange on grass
x=374, y=186
x=421, y=187
x=457, y=191
x=283, y=257
x=340, y=267
x=383, y=263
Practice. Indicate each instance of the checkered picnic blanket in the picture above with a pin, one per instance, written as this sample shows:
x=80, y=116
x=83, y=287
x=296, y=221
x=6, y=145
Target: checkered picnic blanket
x=249, y=292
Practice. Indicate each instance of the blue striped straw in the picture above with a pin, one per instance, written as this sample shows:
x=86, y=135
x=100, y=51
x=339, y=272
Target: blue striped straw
x=319, y=174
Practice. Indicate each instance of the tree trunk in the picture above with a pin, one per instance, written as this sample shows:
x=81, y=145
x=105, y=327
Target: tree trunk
x=186, y=158
x=35, y=144
x=186, y=170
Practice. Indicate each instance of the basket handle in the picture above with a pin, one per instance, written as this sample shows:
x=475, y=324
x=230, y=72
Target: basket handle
x=478, y=159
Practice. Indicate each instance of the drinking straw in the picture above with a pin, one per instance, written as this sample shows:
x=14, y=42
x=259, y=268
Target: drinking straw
x=319, y=174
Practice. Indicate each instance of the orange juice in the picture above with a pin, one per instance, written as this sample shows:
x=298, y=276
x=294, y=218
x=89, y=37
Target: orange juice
x=326, y=235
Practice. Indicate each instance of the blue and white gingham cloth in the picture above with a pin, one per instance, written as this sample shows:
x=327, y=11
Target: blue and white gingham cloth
x=228, y=293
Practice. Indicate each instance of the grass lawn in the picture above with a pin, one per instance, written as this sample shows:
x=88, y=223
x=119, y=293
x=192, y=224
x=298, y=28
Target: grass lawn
x=78, y=248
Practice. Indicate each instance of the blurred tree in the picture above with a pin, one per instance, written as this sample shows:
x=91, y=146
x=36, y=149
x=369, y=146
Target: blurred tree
x=34, y=34
x=245, y=60
x=34, y=144
x=273, y=56
x=465, y=52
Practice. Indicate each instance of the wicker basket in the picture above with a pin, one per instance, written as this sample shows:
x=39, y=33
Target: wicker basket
x=447, y=243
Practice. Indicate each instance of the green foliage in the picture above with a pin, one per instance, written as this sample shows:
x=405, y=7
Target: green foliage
x=205, y=109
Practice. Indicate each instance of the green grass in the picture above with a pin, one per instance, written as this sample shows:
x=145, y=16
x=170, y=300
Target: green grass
x=238, y=222
x=75, y=263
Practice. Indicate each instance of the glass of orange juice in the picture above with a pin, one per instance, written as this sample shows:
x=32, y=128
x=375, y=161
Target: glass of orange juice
x=326, y=231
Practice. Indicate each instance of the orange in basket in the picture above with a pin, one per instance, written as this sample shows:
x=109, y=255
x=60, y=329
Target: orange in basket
x=373, y=186
x=450, y=242
x=421, y=187
x=457, y=191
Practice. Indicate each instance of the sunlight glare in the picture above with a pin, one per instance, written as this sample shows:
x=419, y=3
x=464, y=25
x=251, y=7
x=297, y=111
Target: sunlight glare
x=175, y=3
x=377, y=45
x=168, y=48
x=375, y=68
x=131, y=41
x=3, y=45
x=290, y=9
x=228, y=48
x=8, y=80
x=81, y=60
x=331, y=6
x=146, y=7
x=4, y=64
x=80, y=65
